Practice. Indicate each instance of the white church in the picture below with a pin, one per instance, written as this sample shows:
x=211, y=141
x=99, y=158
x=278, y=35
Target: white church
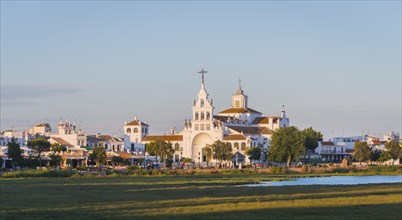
x=239, y=125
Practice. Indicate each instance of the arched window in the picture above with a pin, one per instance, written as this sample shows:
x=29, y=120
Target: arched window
x=202, y=102
x=236, y=145
x=208, y=115
x=237, y=104
x=196, y=116
x=202, y=116
x=243, y=146
x=135, y=130
x=128, y=130
x=176, y=147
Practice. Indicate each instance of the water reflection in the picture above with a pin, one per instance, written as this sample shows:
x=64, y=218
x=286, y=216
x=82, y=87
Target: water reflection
x=334, y=180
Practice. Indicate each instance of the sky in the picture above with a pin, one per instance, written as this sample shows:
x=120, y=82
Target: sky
x=335, y=65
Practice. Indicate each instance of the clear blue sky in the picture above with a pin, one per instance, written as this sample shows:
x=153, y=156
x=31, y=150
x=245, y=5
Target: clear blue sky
x=335, y=65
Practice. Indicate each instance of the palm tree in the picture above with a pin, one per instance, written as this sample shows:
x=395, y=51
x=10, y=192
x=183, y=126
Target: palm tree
x=161, y=149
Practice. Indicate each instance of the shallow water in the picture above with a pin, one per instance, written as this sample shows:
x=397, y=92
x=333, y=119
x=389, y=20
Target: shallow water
x=334, y=180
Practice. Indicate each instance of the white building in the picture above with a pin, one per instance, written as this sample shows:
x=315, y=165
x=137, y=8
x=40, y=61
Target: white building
x=392, y=136
x=329, y=151
x=42, y=129
x=239, y=125
x=68, y=133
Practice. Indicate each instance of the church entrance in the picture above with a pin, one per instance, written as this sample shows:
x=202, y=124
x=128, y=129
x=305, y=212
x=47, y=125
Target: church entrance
x=199, y=152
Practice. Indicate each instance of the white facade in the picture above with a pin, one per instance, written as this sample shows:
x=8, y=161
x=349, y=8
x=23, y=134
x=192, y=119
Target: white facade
x=239, y=125
x=67, y=131
x=40, y=129
x=329, y=151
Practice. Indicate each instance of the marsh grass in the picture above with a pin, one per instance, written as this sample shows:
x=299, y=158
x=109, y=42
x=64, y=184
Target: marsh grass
x=193, y=197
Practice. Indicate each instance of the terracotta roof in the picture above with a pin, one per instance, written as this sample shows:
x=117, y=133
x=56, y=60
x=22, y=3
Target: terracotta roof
x=61, y=141
x=327, y=143
x=136, y=122
x=265, y=131
x=233, y=137
x=260, y=120
x=244, y=129
x=94, y=139
x=239, y=110
x=376, y=142
x=42, y=125
x=163, y=138
x=108, y=137
x=122, y=154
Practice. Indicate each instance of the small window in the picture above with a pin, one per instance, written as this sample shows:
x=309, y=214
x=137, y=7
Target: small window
x=236, y=145
x=202, y=102
x=135, y=130
x=243, y=146
x=128, y=130
x=196, y=116
x=202, y=127
x=208, y=115
x=237, y=104
x=176, y=147
x=202, y=116
x=197, y=127
x=208, y=127
x=132, y=147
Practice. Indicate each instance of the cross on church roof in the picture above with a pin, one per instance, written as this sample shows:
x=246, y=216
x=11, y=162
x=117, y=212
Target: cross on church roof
x=202, y=73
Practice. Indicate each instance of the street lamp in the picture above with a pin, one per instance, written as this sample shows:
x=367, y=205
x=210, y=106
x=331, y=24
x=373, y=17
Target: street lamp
x=199, y=159
x=181, y=156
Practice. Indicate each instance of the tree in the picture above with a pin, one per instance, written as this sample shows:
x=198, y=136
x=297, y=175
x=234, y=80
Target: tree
x=375, y=156
x=384, y=156
x=14, y=152
x=287, y=144
x=57, y=148
x=221, y=151
x=254, y=153
x=362, y=151
x=162, y=149
x=56, y=159
x=394, y=149
x=311, y=138
x=117, y=160
x=99, y=155
x=39, y=145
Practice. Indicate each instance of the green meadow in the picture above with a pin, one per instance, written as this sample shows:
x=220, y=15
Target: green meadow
x=192, y=197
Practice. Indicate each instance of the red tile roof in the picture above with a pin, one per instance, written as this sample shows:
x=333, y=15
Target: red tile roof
x=163, y=138
x=327, y=143
x=233, y=137
x=239, y=110
x=136, y=123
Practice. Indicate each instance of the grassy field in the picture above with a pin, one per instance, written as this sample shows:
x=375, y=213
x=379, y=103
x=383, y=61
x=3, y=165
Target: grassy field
x=192, y=197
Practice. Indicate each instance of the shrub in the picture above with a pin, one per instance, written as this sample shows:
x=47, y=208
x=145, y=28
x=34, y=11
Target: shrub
x=277, y=170
x=38, y=173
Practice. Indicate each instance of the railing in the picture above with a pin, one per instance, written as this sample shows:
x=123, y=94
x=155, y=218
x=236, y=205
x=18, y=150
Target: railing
x=331, y=152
